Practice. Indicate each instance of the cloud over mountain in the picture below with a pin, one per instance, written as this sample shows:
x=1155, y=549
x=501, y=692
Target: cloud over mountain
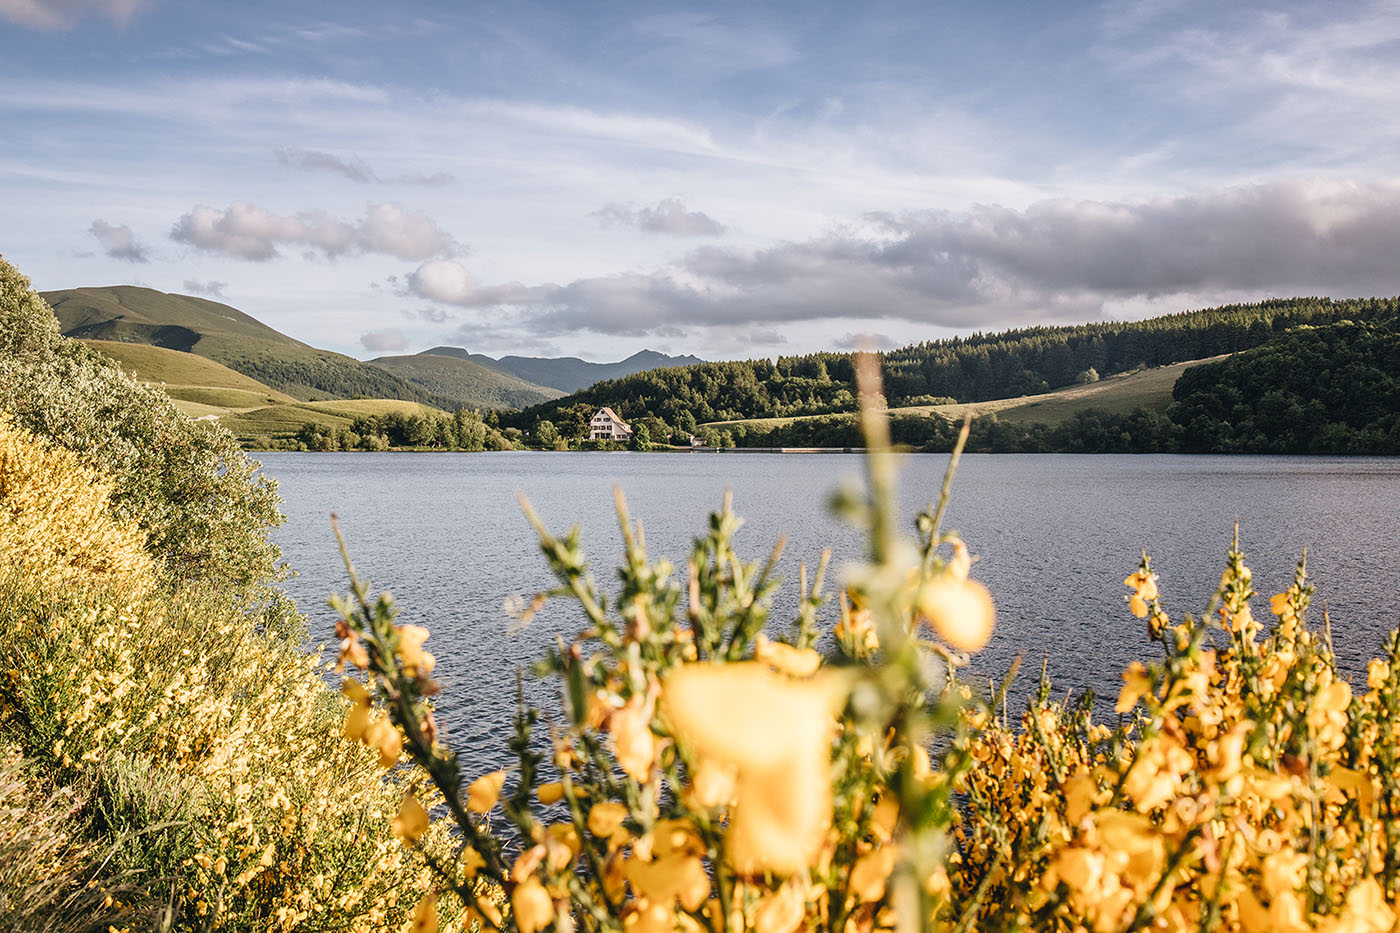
x=247, y=231
x=118, y=241
x=384, y=341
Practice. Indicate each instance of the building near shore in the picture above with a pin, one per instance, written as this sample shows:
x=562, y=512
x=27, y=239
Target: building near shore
x=607, y=426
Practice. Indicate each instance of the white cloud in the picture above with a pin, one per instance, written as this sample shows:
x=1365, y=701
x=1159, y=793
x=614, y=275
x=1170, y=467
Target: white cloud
x=247, y=231
x=118, y=241
x=384, y=341
x=354, y=168
x=1057, y=260
x=448, y=281
x=50, y=15
x=669, y=216
x=207, y=289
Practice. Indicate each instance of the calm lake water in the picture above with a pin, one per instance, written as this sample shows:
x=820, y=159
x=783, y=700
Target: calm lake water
x=1055, y=536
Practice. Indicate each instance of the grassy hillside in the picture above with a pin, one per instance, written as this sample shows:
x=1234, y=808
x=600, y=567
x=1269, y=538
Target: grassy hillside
x=128, y=314
x=202, y=388
x=465, y=382
x=188, y=377
x=1150, y=389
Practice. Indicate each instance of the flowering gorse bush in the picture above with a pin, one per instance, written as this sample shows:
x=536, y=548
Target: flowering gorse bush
x=1244, y=785
x=207, y=757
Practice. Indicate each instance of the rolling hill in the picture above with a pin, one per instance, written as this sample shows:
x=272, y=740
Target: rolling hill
x=568, y=373
x=255, y=413
x=190, y=380
x=1149, y=389
x=129, y=314
x=466, y=382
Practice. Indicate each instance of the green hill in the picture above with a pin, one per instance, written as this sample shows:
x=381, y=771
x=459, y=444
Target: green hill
x=129, y=314
x=466, y=382
x=187, y=377
x=256, y=414
x=567, y=373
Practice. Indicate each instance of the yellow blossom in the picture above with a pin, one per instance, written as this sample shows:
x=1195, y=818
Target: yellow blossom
x=775, y=733
x=483, y=792
x=550, y=793
x=410, y=650
x=960, y=612
x=795, y=662
x=605, y=819
x=533, y=907
x=424, y=919
x=781, y=911
x=1136, y=685
x=870, y=872
x=412, y=820
x=633, y=741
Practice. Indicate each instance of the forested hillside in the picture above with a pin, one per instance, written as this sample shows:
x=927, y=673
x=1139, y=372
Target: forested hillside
x=128, y=314
x=1314, y=390
x=1006, y=364
x=1329, y=389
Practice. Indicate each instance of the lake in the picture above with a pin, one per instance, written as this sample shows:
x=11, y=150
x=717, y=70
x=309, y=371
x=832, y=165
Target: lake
x=1054, y=536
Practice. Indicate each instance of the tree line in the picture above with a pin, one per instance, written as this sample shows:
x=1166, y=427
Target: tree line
x=1330, y=389
x=975, y=368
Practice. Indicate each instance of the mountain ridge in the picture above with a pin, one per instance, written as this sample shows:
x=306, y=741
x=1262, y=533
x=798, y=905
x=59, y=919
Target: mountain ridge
x=566, y=373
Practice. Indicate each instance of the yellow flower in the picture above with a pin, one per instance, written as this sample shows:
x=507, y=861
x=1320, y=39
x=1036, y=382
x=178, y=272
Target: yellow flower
x=424, y=918
x=1377, y=673
x=776, y=734
x=1136, y=685
x=665, y=880
x=410, y=650
x=605, y=819
x=550, y=793
x=633, y=741
x=483, y=792
x=534, y=909
x=412, y=820
x=795, y=662
x=712, y=784
x=961, y=612
x=869, y=874
x=782, y=911
x=358, y=719
x=382, y=735
x=960, y=564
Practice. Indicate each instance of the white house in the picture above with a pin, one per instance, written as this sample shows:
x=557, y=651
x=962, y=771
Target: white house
x=606, y=425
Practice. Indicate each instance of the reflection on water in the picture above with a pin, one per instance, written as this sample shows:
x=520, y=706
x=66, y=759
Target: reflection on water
x=1056, y=535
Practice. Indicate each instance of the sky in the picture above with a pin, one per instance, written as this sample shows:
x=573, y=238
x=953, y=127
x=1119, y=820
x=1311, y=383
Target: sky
x=732, y=180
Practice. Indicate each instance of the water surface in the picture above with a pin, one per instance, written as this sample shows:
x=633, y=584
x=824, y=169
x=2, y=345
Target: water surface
x=1055, y=536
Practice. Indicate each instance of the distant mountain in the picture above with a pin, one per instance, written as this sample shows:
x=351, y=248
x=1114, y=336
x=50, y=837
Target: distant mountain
x=466, y=382
x=567, y=374
x=129, y=314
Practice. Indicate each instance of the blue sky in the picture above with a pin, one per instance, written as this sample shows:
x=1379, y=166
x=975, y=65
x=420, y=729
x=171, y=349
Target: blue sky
x=727, y=179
